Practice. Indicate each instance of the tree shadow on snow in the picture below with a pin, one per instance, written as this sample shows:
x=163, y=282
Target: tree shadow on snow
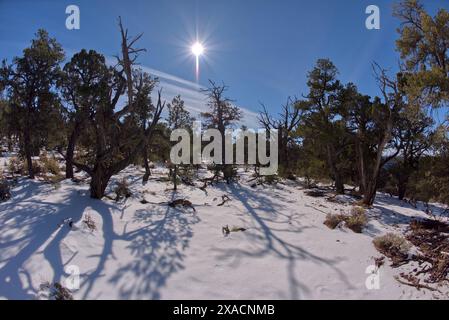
x=270, y=242
x=157, y=249
x=31, y=224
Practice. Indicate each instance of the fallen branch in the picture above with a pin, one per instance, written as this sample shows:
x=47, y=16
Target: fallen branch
x=416, y=285
x=225, y=199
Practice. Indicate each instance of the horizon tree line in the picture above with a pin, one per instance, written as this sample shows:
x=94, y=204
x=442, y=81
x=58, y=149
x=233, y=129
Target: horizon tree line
x=101, y=118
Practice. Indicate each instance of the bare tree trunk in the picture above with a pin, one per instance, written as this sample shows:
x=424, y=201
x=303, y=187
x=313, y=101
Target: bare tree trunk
x=99, y=182
x=339, y=186
x=28, y=152
x=146, y=165
x=175, y=176
x=402, y=187
x=70, y=152
x=360, y=158
x=370, y=193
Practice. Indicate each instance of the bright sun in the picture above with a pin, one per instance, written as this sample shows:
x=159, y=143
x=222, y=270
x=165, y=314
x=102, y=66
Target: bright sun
x=197, y=49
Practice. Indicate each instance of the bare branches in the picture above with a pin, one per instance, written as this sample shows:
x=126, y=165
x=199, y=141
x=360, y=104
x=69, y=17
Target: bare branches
x=129, y=56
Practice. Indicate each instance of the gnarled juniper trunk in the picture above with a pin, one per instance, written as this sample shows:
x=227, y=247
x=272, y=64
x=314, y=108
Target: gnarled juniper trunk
x=370, y=193
x=69, y=157
x=99, y=181
x=339, y=186
x=146, y=164
x=28, y=152
x=402, y=187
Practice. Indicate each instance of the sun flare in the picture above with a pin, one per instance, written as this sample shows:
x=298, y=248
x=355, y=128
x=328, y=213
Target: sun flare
x=197, y=49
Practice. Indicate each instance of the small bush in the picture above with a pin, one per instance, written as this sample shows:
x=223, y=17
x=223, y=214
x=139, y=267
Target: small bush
x=333, y=220
x=37, y=168
x=271, y=179
x=15, y=165
x=393, y=246
x=50, y=165
x=5, y=192
x=357, y=220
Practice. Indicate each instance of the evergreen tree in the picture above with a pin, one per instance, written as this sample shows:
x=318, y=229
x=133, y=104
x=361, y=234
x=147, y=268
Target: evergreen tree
x=30, y=83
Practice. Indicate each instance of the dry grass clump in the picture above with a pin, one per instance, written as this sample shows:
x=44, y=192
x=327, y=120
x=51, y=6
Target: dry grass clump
x=356, y=221
x=333, y=220
x=50, y=164
x=393, y=246
x=15, y=165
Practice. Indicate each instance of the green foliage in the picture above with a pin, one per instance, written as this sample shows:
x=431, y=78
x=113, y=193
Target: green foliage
x=423, y=47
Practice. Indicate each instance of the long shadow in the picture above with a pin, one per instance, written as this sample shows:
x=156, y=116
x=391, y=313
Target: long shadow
x=157, y=248
x=29, y=224
x=272, y=243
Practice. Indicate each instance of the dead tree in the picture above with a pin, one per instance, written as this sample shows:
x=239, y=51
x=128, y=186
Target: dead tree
x=286, y=125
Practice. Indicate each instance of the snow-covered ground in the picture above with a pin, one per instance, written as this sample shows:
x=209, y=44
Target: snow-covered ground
x=152, y=251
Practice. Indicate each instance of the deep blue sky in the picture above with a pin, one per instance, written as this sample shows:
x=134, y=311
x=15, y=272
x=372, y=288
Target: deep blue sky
x=262, y=49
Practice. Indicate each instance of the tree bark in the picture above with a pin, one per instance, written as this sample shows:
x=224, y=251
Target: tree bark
x=339, y=185
x=175, y=176
x=146, y=164
x=99, y=181
x=370, y=193
x=70, y=152
x=402, y=187
x=28, y=152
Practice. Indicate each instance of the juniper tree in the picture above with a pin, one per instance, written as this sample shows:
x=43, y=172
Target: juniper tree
x=30, y=83
x=178, y=118
x=116, y=140
x=321, y=117
x=414, y=136
x=222, y=114
x=84, y=85
x=424, y=49
x=386, y=115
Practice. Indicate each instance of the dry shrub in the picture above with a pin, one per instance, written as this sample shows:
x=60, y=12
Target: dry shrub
x=15, y=165
x=393, y=246
x=37, y=168
x=50, y=164
x=333, y=220
x=357, y=220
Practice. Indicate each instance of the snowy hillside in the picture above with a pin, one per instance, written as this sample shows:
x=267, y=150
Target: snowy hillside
x=148, y=250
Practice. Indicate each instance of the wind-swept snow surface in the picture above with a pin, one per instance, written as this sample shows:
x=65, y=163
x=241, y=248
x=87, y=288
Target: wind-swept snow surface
x=151, y=251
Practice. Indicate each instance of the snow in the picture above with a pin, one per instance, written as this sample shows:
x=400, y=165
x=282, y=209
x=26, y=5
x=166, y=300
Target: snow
x=152, y=251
